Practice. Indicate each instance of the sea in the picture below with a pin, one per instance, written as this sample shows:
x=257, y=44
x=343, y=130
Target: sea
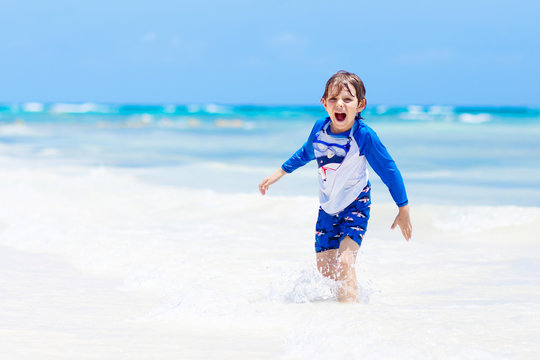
x=164, y=199
x=448, y=155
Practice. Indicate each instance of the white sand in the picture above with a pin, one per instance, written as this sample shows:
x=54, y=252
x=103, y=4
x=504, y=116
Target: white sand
x=50, y=310
x=95, y=264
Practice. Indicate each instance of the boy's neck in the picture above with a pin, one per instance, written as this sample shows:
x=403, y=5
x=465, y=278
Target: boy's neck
x=342, y=132
x=346, y=132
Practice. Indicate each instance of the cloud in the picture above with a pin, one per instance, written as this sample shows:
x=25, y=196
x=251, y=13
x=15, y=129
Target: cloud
x=287, y=40
x=287, y=45
x=424, y=57
x=253, y=61
x=176, y=40
x=149, y=37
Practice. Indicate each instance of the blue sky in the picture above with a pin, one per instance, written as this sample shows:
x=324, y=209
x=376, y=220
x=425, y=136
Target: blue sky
x=269, y=51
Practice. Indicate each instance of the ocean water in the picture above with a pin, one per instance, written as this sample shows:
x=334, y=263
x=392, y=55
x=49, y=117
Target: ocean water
x=164, y=200
x=448, y=155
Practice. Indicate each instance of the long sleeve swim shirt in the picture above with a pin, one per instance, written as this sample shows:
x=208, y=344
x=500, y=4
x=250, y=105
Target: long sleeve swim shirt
x=342, y=164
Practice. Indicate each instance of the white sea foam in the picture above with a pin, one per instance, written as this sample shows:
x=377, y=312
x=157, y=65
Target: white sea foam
x=138, y=121
x=474, y=118
x=416, y=112
x=193, y=108
x=49, y=152
x=74, y=108
x=441, y=110
x=169, y=108
x=260, y=171
x=415, y=109
x=230, y=268
x=432, y=174
x=481, y=218
x=242, y=266
x=381, y=109
x=33, y=107
x=212, y=108
x=19, y=128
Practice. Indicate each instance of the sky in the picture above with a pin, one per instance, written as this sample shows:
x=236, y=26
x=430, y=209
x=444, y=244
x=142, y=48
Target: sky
x=269, y=52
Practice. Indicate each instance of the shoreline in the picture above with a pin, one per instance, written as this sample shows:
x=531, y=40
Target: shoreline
x=51, y=310
x=109, y=266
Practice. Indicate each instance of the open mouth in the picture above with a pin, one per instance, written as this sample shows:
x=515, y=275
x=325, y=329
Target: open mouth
x=340, y=116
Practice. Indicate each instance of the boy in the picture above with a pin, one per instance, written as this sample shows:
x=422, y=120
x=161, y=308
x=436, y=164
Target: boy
x=342, y=145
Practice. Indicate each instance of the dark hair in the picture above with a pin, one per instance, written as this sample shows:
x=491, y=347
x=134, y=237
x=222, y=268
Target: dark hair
x=344, y=79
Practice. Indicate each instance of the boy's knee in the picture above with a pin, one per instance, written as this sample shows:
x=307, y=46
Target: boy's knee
x=347, y=259
x=326, y=270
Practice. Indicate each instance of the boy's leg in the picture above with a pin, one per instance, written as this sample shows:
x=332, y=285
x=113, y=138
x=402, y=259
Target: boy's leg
x=345, y=270
x=327, y=263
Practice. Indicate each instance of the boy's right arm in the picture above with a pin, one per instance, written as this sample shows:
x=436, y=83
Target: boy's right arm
x=269, y=180
x=301, y=157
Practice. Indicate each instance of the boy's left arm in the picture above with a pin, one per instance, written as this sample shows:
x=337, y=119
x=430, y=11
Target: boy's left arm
x=403, y=220
x=383, y=164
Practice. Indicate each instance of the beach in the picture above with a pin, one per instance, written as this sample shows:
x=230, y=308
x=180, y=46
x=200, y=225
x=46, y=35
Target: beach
x=121, y=236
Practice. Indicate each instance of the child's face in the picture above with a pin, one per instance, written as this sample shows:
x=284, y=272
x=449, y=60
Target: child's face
x=342, y=107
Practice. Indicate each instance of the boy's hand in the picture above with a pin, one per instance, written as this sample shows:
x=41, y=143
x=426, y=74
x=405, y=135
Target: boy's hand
x=403, y=220
x=265, y=184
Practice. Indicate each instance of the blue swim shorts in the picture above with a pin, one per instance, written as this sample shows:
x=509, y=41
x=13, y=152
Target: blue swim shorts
x=351, y=221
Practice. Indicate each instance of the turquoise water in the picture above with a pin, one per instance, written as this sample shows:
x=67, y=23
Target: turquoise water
x=448, y=155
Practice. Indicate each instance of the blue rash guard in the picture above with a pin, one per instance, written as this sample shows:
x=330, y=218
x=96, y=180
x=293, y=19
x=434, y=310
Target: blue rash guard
x=342, y=162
